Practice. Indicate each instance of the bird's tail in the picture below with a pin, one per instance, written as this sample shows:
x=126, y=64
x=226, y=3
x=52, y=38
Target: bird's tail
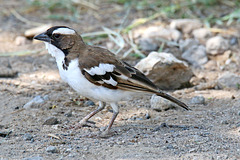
x=170, y=98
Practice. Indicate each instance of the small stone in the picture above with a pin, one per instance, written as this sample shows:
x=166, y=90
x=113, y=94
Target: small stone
x=233, y=41
x=239, y=113
x=51, y=121
x=5, y=133
x=27, y=137
x=160, y=104
x=229, y=80
x=170, y=146
x=186, y=25
x=186, y=44
x=201, y=33
x=68, y=113
x=20, y=40
x=52, y=149
x=147, y=116
x=216, y=45
x=224, y=122
x=155, y=32
x=198, y=100
x=33, y=158
x=192, y=150
x=89, y=103
x=147, y=44
x=36, y=101
x=196, y=55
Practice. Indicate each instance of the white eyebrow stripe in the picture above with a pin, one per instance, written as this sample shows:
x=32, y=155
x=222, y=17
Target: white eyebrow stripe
x=110, y=81
x=64, y=31
x=101, y=69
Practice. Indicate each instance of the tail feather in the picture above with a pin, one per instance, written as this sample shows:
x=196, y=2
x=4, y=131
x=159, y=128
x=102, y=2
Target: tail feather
x=170, y=98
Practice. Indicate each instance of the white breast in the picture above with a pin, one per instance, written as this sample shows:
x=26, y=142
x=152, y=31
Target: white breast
x=73, y=76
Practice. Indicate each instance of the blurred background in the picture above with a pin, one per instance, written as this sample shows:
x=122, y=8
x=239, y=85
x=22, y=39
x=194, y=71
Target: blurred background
x=189, y=48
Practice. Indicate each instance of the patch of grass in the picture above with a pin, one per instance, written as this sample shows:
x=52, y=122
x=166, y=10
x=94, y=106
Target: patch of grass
x=209, y=11
x=68, y=7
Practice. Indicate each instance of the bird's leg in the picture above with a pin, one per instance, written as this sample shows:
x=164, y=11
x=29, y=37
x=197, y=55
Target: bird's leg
x=115, y=113
x=111, y=122
x=84, y=121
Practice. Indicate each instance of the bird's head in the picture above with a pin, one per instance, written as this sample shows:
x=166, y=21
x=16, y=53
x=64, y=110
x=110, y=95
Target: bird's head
x=61, y=37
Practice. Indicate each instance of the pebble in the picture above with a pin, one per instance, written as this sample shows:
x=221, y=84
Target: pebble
x=51, y=121
x=216, y=45
x=169, y=146
x=5, y=133
x=36, y=101
x=229, y=80
x=186, y=44
x=20, y=40
x=186, y=25
x=202, y=33
x=27, y=137
x=68, y=113
x=233, y=41
x=89, y=103
x=196, y=55
x=156, y=32
x=52, y=149
x=33, y=158
x=147, y=44
x=147, y=116
x=198, y=100
x=160, y=104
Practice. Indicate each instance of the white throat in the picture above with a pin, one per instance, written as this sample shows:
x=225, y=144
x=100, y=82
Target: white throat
x=55, y=52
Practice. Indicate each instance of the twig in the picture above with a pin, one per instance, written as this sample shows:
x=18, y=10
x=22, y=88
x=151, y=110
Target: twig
x=21, y=18
x=223, y=31
x=53, y=136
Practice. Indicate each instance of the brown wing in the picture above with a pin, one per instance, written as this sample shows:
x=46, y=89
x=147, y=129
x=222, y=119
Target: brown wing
x=125, y=76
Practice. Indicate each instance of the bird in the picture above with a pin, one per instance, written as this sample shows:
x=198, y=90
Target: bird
x=96, y=73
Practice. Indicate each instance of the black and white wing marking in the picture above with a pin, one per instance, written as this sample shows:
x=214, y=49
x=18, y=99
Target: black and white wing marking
x=121, y=76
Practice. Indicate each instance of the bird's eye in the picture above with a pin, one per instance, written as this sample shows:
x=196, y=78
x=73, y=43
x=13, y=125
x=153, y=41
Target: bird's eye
x=56, y=35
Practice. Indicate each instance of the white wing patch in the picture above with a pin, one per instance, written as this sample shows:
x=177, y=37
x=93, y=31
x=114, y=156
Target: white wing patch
x=101, y=69
x=64, y=31
x=110, y=81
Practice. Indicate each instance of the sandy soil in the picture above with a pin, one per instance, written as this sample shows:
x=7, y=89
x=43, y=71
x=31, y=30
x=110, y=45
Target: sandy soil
x=209, y=131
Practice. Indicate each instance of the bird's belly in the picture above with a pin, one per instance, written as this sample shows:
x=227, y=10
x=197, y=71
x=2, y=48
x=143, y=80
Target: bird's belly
x=80, y=84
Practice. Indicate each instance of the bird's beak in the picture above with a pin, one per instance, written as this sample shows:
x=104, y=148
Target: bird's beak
x=42, y=37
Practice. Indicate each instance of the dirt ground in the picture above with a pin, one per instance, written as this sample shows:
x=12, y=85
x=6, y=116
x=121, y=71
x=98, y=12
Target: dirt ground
x=209, y=131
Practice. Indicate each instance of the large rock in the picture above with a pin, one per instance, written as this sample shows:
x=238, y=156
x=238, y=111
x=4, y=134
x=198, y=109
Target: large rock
x=216, y=45
x=229, y=80
x=186, y=25
x=165, y=70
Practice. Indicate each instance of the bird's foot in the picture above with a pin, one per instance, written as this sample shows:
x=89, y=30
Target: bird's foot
x=106, y=134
